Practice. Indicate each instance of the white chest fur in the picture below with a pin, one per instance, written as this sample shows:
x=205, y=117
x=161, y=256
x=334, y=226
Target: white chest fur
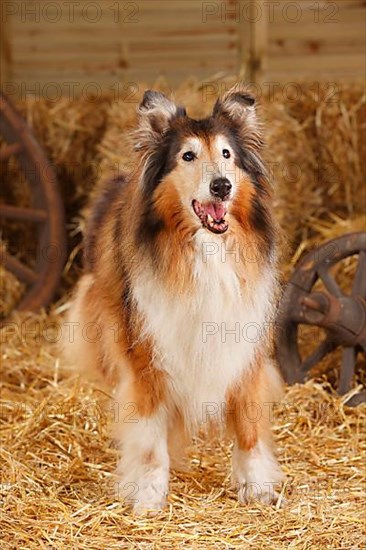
x=205, y=340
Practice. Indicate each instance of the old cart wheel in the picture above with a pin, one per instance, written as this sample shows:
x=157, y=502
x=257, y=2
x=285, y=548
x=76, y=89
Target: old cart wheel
x=314, y=297
x=46, y=211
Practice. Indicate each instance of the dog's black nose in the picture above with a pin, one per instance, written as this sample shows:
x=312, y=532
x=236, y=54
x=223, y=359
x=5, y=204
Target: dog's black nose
x=220, y=187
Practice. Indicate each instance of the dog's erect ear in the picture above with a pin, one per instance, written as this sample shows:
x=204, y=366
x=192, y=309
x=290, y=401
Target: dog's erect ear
x=237, y=107
x=235, y=104
x=154, y=115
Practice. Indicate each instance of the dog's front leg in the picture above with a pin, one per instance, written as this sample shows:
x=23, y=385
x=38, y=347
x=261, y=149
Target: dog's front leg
x=256, y=472
x=143, y=436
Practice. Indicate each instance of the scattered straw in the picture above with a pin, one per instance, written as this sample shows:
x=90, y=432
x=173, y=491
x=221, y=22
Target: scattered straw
x=58, y=464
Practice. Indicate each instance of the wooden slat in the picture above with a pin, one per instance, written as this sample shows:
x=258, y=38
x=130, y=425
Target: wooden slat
x=59, y=72
x=324, y=64
x=319, y=20
x=72, y=60
x=23, y=272
x=259, y=42
x=342, y=4
x=9, y=150
x=105, y=7
x=6, y=54
x=305, y=31
x=178, y=48
x=315, y=48
x=244, y=48
x=104, y=32
x=178, y=43
x=108, y=17
x=283, y=78
x=19, y=213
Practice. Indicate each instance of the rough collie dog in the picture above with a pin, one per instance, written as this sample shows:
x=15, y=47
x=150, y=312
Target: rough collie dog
x=179, y=289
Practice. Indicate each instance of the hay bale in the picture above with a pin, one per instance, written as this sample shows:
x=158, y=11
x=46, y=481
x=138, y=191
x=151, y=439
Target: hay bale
x=297, y=197
x=69, y=130
x=333, y=121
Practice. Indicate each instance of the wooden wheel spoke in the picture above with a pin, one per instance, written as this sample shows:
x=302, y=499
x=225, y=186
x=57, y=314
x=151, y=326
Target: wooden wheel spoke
x=325, y=347
x=296, y=313
x=347, y=370
x=357, y=399
x=23, y=272
x=329, y=281
x=19, y=213
x=359, y=283
x=10, y=150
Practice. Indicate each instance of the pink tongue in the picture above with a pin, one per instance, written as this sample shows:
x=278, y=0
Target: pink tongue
x=216, y=210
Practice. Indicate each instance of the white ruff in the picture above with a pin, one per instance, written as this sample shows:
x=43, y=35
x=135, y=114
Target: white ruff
x=191, y=332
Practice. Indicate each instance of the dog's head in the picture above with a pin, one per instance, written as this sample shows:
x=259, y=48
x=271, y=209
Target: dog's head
x=200, y=170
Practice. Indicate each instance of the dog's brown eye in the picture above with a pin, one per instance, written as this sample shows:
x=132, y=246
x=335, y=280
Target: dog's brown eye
x=226, y=153
x=189, y=156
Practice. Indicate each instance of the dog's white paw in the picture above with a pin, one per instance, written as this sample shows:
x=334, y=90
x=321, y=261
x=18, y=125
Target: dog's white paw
x=257, y=475
x=148, y=494
x=266, y=493
x=151, y=497
x=148, y=507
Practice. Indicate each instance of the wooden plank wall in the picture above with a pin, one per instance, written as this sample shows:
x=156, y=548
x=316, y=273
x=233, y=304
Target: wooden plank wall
x=129, y=41
x=317, y=39
x=95, y=44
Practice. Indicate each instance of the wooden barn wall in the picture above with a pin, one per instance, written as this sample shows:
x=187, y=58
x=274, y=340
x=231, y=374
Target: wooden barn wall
x=328, y=40
x=86, y=43
x=129, y=41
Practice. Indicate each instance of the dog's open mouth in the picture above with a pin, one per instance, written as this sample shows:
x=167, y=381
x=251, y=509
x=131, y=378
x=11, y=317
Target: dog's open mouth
x=212, y=215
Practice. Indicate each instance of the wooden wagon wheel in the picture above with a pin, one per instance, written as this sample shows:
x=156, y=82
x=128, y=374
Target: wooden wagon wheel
x=46, y=210
x=341, y=315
